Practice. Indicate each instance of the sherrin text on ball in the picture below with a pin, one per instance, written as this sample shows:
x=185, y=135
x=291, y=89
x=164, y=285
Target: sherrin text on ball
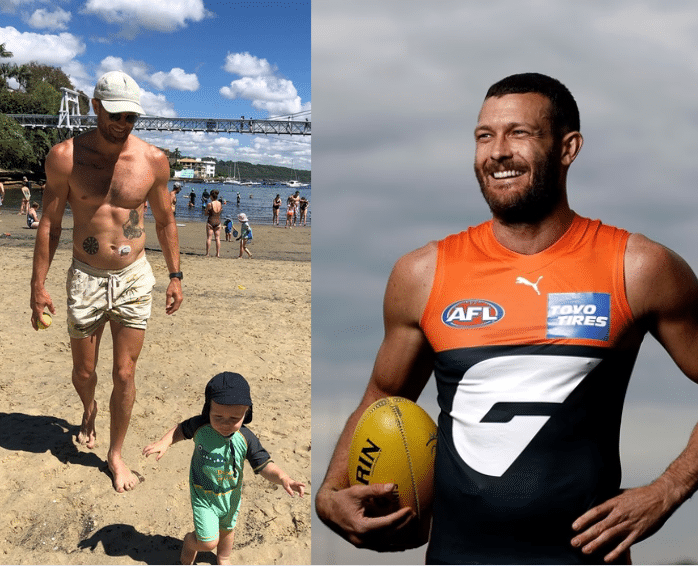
x=395, y=442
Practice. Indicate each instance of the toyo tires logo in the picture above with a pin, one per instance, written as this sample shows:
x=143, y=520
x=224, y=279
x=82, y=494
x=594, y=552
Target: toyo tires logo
x=472, y=313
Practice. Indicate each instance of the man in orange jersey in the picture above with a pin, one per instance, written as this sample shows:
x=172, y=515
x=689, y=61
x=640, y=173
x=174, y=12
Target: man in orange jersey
x=531, y=323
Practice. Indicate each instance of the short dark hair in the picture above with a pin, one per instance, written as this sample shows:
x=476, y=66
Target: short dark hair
x=565, y=113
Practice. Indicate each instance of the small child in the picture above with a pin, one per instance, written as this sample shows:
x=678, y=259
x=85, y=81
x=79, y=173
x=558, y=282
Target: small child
x=222, y=443
x=228, y=229
x=32, y=216
x=245, y=234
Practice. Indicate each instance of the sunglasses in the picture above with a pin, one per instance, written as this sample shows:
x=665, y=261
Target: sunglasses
x=130, y=118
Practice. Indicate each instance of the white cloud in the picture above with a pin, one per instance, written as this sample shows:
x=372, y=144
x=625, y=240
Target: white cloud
x=157, y=105
x=136, y=69
x=176, y=79
x=274, y=150
x=247, y=65
x=43, y=19
x=260, y=85
x=268, y=89
x=79, y=76
x=194, y=143
x=159, y=15
x=47, y=49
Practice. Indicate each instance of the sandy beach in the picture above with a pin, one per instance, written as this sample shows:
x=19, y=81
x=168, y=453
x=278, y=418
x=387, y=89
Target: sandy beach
x=57, y=505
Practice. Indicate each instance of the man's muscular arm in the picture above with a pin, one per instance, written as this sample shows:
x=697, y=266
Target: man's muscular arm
x=663, y=294
x=58, y=167
x=166, y=227
x=403, y=365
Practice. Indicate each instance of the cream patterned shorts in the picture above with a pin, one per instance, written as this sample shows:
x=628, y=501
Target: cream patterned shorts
x=98, y=295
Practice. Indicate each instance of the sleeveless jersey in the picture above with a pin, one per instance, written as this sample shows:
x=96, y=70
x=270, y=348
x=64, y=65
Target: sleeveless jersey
x=531, y=378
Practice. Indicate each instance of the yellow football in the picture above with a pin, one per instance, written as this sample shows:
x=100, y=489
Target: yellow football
x=44, y=321
x=395, y=442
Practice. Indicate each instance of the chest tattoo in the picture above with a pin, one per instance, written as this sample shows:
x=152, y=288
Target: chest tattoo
x=131, y=228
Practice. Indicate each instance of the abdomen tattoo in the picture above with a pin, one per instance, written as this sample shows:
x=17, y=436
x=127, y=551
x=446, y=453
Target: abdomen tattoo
x=131, y=228
x=90, y=245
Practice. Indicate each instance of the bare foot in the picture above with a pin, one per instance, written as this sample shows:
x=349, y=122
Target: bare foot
x=188, y=555
x=88, y=435
x=223, y=559
x=123, y=478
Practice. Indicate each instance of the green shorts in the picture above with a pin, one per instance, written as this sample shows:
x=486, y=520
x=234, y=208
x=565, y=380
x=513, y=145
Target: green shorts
x=214, y=513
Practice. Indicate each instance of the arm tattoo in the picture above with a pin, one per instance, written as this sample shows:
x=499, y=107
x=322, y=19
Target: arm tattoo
x=131, y=228
x=91, y=245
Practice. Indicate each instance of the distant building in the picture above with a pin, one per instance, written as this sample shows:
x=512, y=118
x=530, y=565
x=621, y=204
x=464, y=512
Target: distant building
x=184, y=174
x=202, y=169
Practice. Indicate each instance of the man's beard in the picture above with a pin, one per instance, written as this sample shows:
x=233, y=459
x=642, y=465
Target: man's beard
x=533, y=205
x=112, y=138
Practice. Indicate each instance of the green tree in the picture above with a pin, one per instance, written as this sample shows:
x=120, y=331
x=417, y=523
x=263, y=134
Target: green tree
x=15, y=150
x=5, y=68
x=37, y=74
x=22, y=75
x=47, y=97
x=41, y=142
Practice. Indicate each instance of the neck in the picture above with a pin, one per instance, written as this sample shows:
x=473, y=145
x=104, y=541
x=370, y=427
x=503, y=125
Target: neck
x=529, y=239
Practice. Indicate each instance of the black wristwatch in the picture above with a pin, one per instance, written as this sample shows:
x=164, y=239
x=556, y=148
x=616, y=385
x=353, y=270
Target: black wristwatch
x=179, y=275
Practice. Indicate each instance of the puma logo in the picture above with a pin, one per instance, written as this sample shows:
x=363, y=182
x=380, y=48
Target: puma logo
x=524, y=281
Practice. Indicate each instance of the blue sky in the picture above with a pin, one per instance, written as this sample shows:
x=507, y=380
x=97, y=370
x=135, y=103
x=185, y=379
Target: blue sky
x=191, y=58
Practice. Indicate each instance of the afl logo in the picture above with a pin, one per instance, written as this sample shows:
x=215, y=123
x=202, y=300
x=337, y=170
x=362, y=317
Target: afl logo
x=472, y=313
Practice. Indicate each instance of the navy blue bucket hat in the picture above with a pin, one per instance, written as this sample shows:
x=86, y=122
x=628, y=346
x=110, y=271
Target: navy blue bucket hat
x=228, y=388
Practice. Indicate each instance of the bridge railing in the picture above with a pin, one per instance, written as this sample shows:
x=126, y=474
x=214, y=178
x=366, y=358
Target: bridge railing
x=154, y=123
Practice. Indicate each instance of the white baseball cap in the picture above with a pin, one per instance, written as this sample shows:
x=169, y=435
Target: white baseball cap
x=118, y=93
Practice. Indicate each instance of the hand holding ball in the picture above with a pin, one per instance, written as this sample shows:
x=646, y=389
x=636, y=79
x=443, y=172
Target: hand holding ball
x=395, y=442
x=44, y=321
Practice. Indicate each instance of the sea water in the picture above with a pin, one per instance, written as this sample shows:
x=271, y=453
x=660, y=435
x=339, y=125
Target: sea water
x=255, y=201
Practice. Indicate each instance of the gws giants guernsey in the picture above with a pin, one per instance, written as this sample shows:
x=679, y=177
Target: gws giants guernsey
x=532, y=369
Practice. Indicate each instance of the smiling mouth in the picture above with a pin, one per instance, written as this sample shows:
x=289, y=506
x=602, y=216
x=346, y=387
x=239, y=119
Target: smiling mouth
x=507, y=174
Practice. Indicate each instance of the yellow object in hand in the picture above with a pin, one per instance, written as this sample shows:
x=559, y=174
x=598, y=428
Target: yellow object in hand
x=44, y=321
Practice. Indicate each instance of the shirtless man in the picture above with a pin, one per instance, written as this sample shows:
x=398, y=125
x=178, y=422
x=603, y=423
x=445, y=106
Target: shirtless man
x=106, y=175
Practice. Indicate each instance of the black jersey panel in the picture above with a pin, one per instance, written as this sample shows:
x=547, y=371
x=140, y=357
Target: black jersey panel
x=528, y=441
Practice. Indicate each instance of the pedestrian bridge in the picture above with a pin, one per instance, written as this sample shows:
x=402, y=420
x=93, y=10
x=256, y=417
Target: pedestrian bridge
x=69, y=119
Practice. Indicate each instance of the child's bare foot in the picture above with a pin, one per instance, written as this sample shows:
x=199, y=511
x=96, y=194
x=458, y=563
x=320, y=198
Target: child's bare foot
x=123, y=478
x=223, y=559
x=188, y=554
x=88, y=434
